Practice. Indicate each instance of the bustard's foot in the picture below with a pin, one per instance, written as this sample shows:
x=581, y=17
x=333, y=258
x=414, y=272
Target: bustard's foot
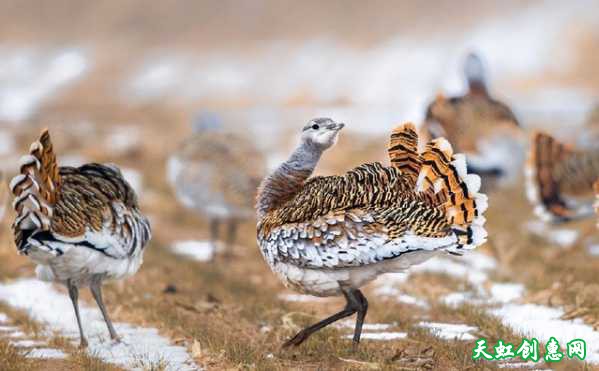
x=116, y=339
x=83, y=344
x=355, y=346
x=299, y=338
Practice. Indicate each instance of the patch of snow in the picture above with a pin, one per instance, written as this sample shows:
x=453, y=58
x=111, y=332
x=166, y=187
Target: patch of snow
x=8, y=328
x=561, y=237
x=123, y=139
x=541, y=322
x=73, y=160
x=134, y=178
x=3, y=317
x=202, y=251
x=519, y=365
x=450, y=331
x=46, y=353
x=28, y=77
x=366, y=326
x=506, y=292
x=409, y=299
x=593, y=250
x=16, y=334
x=45, y=304
x=7, y=143
x=453, y=268
x=381, y=336
x=455, y=299
x=298, y=298
x=27, y=343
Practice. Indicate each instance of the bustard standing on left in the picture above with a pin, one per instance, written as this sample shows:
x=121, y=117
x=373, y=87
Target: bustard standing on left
x=81, y=225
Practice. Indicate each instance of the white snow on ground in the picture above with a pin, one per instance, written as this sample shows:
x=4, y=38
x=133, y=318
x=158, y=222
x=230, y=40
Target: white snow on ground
x=518, y=365
x=455, y=299
x=134, y=178
x=562, y=237
x=475, y=275
x=450, y=331
x=7, y=143
x=531, y=320
x=513, y=45
x=123, y=139
x=202, y=251
x=3, y=317
x=8, y=328
x=28, y=77
x=27, y=343
x=298, y=298
x=593, y=250
x=46, y=353
x=506, y=292
x=366, y=326
x=45, y=304
x=381, y=335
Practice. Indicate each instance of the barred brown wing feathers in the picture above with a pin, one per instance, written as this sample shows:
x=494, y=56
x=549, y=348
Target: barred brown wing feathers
x=96, y=199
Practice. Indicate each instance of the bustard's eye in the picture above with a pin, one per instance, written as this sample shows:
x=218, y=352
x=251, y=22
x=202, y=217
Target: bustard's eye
x=315, y=127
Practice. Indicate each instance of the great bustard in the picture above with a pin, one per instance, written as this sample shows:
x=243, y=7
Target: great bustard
x=215, y=173
x=328, y=236
x=479, y=125
x=81, y=225
x=559, y=179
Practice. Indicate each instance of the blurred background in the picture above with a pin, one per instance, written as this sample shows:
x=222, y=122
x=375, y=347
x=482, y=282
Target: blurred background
x=122, y=81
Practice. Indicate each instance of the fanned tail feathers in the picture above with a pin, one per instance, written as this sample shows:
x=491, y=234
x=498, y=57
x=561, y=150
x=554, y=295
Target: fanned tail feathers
x=544, y=184
x=403, y=151
x=35, y=188
x=442, y=176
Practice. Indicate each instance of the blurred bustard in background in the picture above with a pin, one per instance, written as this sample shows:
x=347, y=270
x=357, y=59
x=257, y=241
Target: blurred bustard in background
x=483, y=128
x=81, y=225
x=328, y=236
x=559, y=179
x=215, y=173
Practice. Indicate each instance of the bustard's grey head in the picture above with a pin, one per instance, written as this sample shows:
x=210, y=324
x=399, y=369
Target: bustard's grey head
x=474, y=70
x=206, y=121
x=321, y=132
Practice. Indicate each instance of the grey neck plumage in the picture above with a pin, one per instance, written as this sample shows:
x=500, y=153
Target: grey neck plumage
x=288, y=178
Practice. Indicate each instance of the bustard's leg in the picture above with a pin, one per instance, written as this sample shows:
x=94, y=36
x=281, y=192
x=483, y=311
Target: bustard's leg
x=96, y=289
x=362, y=309
x=231, y=237
x=214, y=227
x=354, y=304
x=74, y=294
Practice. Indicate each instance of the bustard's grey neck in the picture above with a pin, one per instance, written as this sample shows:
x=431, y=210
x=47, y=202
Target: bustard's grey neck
x=305, y=157
x=288, y=178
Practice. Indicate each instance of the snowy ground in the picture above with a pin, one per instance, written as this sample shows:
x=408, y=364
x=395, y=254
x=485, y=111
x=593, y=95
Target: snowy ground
x=139, y=346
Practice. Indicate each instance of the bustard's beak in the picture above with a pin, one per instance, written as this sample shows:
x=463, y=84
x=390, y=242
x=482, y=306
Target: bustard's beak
x=336, y=126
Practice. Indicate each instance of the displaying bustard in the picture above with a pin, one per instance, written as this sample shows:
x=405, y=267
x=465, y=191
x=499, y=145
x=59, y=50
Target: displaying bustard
x=328, y=236
x=81, y=225
x=479, y=125
x=559, y=179
x=215, y=173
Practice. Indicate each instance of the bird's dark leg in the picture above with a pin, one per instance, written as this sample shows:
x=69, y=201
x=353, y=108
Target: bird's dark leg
x=231, y=237
x=362, y=309
x=214, y=227
x=74, y=295
x=355, y=303
x=96, y=290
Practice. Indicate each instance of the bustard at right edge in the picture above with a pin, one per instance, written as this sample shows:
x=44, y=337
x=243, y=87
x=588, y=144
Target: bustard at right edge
x=329, y=236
